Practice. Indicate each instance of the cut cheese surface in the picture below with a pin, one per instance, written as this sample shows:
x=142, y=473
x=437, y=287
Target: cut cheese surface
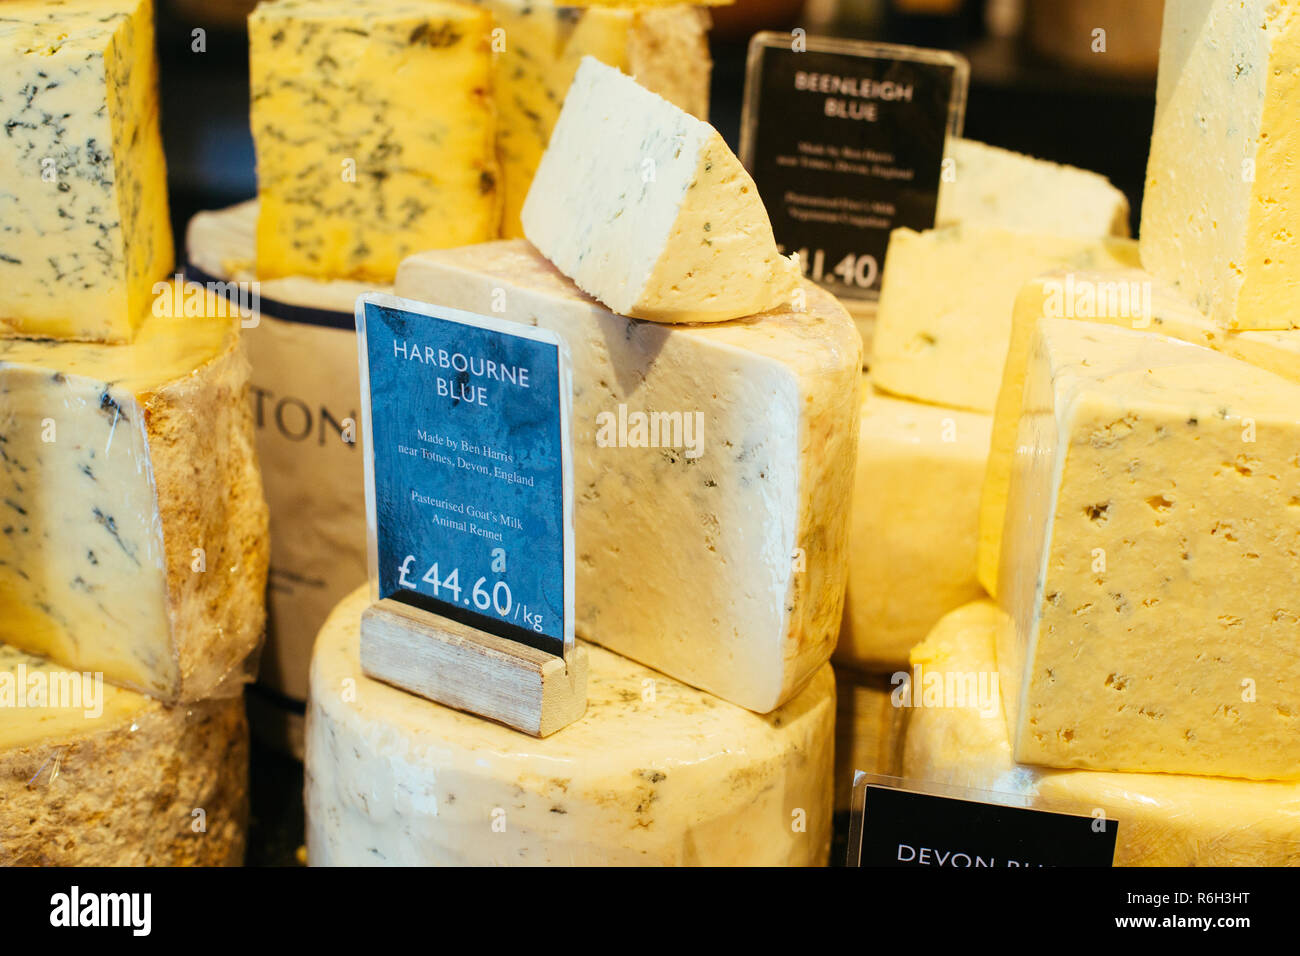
x=1150, y=558
x=997, y=187
x=655, y=773
x=665, y=50
x=720, y=560
x=914, y=522
x=84, y=228
x=132, y=525
x=93, y=775
x=389, y=149
x=1164, y=819
x=1221, y=216
x=1125, y=297
x=946, y=342
x=647, y=210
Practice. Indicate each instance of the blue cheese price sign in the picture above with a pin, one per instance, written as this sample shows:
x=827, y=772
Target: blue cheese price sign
x=845, y=141
x=469, y=490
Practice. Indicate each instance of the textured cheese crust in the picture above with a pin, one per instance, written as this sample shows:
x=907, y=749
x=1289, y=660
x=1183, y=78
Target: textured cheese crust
x=646, y=209
x=1150, y=559
x=389, y=148
x=84, y=228
x=118, y=463
x=120, y=788
x=997, y=187
x=689, y=564
x=655, y=773
x=945, y=342
x=1114, y=297
x=1164, y=819
x=1221, y=217
x=914, y=523
x=665, y=50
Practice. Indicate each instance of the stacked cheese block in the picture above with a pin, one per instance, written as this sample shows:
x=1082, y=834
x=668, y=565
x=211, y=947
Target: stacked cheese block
x=710, y=576
x=421, y=129
x=1140, y=522
x=132, y=525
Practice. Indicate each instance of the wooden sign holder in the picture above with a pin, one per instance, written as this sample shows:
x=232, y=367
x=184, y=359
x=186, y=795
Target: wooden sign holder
x=471, y=670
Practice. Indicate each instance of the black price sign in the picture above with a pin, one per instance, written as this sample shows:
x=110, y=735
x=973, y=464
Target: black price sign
x=898, y=827
x=845, y=140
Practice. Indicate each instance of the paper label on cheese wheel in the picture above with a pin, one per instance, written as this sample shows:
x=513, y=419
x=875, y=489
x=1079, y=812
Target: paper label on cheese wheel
x=845, y=141
x=908, y=823
x=468, y=471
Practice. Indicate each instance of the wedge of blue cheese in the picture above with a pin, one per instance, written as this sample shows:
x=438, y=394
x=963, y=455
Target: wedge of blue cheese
x=647, y=210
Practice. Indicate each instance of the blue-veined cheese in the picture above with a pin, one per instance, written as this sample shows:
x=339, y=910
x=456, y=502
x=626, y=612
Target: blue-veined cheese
x=1150, y=557
x=647, y=210
x=655, y=773
x=84, y=228
x=717, y=556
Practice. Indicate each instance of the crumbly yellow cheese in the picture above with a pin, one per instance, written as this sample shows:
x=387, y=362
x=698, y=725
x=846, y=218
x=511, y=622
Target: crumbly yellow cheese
x=914, y=521
x=1117, y=297
x=84, y=228
x=1164, y=819
x=132, y=525
x=946, y=341
x=375, y=132
x=1150, y=558
x=1221, y=217
x=655, y=773
x=92, y=775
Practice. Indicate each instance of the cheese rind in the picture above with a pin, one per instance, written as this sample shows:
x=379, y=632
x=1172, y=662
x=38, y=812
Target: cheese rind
x=117, y=784
x=132, y=525
x=1125, y=297
x=655, y=773
x=914, y=522
x=647, y=210
x=1149, y=559
x=1164, y=819
x=945, y=342
x=723, y=565
x=389, y=149
x=84, y=227
x=998, y=187
x=1221, y=217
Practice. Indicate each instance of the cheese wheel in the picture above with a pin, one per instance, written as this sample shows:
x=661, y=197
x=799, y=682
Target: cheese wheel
x=109, y=777
x=655, y=773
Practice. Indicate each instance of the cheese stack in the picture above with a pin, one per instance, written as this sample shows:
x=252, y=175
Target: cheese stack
x=134, y=531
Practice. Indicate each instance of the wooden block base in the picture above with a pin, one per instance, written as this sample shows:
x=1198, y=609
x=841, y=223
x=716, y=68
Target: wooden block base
x=472, y=670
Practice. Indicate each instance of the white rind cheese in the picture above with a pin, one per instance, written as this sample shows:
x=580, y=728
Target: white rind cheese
x=113, y=778
x=655, y=773
x=1149, y=559
x=84, y=227
x=132, y=524
x=719, y=562
x=914, y=523
x=1164, y=819
x=647, y=210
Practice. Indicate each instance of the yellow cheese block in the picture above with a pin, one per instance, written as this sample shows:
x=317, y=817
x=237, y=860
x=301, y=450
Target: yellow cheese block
x=539, y=46
x=656, y=773
x=1164, y=819
x=375, y=132
x=914, y=522
x=132, y=524
x=945, y=341
x=1127, y=297
x=1221, y=214
x=92, y=775
x=1150, y=559
x=84, y=228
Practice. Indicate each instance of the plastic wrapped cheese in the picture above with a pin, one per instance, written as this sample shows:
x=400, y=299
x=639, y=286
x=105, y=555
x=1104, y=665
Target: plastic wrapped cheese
x=655, y=773
x=1164, y=819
